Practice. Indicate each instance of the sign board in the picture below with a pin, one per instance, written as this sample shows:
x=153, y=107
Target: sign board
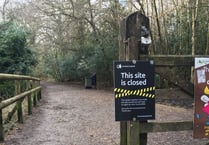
x=201, y=96
x=134, y=90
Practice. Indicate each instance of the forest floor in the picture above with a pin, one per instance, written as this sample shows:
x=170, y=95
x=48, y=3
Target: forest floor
x=69, y=114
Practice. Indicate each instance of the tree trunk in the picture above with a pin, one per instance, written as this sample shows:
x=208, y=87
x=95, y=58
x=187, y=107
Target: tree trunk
x=158, y=23
x=154, y=47
x=164, y=29
x=194, y=19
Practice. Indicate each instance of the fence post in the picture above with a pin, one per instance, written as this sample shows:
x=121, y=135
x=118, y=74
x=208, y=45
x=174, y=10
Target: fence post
x=34, y=94
x=29, y=98
x=38, y=92
x=19, y=102
x=1, y=126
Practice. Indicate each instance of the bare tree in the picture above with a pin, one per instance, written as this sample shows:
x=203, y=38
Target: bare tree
x=194, y=19
x=157, y=21
x=5, y=3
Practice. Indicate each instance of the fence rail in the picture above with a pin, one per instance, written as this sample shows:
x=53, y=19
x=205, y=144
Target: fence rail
x=16, y=77
x=31, y=91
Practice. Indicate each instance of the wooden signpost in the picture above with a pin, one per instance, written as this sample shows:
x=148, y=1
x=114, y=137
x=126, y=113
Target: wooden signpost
x=130, y=47
x=133, y=29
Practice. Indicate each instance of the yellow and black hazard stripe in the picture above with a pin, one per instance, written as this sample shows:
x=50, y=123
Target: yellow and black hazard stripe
x=145, y=92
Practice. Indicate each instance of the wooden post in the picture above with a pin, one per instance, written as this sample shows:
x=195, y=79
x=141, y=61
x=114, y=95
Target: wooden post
x=132, y=51
x=1, y=126
x=122, y=56
x=19, y=102
x=133, y=133
x=122, y=40
x=129, y=45
x=142, y=136
x=38, y=92
x=133, y=127
x=29, y=99
x=123, y=133
x=130, y=131
x=34, y=94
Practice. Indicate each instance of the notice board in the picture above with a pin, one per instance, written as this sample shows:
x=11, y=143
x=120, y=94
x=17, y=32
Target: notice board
x=201, y=96
x=134, y=90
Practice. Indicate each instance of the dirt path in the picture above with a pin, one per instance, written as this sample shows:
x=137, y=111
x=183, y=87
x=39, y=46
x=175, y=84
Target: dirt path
x=72, y=115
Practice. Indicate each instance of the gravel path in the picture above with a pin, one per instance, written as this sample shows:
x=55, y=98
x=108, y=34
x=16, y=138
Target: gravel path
x=71, y=115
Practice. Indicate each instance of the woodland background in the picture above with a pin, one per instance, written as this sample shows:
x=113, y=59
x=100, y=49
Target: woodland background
x=69, y=39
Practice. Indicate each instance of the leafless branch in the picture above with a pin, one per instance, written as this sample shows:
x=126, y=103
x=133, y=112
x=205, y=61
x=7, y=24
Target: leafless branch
x=4, y=9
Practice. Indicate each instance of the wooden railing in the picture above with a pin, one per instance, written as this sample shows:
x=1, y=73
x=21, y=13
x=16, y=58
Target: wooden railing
x=31, y=90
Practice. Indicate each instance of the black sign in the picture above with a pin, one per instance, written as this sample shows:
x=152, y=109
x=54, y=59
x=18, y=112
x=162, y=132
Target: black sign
x=134, y=90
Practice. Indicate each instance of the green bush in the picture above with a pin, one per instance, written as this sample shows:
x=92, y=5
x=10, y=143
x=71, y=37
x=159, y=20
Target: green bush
x=15, y=55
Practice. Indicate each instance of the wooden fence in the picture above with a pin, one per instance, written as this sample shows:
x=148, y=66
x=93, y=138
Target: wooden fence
x=31, y=90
